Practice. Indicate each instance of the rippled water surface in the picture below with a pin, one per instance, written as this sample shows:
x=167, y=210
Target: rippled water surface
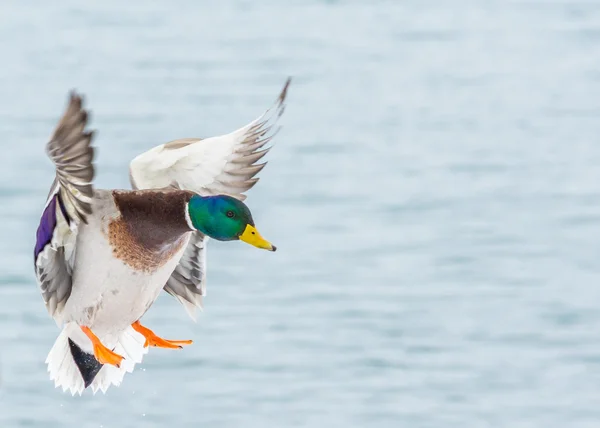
x=434, y=194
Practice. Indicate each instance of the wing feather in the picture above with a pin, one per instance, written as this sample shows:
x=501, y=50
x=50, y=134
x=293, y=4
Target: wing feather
x=68, y=204
x=188, y=282
x=71, y=141
x=213, y=165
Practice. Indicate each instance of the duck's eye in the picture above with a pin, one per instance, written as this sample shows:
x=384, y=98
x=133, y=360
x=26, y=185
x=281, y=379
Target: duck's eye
x=230, y=214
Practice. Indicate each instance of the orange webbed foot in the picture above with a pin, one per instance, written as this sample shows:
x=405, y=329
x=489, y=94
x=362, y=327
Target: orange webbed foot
x=101, y=352
x=153, y=340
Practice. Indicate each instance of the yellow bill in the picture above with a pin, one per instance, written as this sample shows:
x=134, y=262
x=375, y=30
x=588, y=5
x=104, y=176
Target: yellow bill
x=252, y=237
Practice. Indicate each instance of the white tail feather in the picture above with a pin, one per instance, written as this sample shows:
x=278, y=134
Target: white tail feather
x=131, y=347
x=61, y=365
x=65, y=373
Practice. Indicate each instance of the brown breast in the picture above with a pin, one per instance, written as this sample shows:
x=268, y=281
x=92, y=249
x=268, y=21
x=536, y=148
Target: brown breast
x=151, y=227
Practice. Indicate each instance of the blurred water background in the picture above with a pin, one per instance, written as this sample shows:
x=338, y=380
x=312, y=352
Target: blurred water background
x=434, y=194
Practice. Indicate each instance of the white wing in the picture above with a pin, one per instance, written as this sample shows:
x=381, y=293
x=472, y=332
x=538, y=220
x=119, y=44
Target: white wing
x=226, y=164
x=68, y=204
x=218, y=165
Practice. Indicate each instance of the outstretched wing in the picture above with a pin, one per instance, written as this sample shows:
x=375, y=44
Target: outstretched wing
x=68, y=204
x=227, y=164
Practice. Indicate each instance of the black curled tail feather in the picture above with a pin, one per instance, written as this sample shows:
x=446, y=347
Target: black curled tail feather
x=86, y=363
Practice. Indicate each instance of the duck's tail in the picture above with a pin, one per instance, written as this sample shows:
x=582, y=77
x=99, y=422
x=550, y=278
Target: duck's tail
x=72, y=365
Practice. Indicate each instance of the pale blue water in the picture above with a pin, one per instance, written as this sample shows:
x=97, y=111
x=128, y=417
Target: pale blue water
x=434, y=194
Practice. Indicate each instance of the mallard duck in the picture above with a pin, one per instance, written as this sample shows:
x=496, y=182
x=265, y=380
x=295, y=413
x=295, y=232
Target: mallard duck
x=102, y=257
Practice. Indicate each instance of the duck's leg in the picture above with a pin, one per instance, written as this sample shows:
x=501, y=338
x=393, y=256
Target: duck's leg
x=101, y=352
x=153, y=340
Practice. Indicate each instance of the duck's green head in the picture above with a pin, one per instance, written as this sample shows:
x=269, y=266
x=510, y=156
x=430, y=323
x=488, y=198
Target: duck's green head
x=225, y=218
